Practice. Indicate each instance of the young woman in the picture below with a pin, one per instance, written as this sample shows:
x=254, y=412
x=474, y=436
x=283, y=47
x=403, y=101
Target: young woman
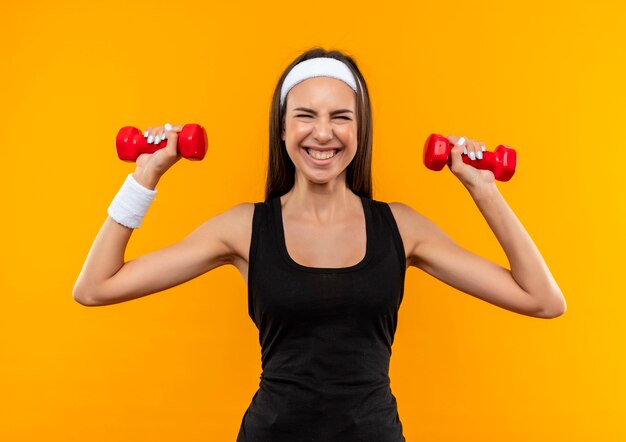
x=324, y=262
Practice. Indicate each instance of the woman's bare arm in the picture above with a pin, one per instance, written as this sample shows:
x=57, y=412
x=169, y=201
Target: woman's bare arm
x=106, y=279
x=528, y=288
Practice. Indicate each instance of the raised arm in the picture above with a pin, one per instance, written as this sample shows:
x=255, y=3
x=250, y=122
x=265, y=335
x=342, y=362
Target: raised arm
x=430, y=249
x=527, y=288
x=106, y=279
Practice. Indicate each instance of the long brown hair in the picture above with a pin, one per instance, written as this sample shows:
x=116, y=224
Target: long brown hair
x=281, y=171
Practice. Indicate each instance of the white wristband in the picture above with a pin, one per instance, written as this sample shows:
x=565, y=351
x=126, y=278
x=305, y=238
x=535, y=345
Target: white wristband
x=131, y=203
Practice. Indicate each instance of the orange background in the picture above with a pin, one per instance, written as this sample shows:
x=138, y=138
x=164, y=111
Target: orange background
x=182, y=365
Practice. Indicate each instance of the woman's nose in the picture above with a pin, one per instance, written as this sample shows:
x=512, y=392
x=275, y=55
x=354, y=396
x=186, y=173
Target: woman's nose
x=323, y=129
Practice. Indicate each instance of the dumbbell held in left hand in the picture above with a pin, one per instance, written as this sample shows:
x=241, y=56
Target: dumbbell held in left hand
x=502, y=162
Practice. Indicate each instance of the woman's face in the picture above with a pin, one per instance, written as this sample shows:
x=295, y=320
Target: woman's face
x=320, y=113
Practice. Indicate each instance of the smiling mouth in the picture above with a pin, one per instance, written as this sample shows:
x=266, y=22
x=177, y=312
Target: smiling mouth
x=321, y=155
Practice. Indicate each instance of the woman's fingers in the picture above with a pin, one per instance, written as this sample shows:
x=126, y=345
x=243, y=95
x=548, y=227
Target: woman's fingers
x=159, y=133
x=472, y=148
x=171, y=128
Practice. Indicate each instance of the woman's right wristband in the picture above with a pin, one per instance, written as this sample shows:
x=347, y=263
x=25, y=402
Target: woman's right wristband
x=131, y=203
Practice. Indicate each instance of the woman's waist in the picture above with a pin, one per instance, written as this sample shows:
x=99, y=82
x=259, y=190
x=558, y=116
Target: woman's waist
x=289, y=401
x=323, y=382
x=321, y=365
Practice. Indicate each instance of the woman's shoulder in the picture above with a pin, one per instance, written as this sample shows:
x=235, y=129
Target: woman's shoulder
x=401, y=212
x=235, y=226
x=239, y=216
x=412, y=225
x=399, y=209
x=407, y=215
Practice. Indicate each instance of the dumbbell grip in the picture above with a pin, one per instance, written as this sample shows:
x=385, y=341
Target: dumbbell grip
x=502, y=162
x=485, y=163
x=130, y=143
x=493, y=162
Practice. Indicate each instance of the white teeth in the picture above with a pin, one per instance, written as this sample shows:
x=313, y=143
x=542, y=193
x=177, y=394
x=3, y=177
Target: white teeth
x=319, y=155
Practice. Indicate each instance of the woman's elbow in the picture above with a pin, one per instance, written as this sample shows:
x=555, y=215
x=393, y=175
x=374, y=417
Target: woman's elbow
x=83, y=297
x=555, y=309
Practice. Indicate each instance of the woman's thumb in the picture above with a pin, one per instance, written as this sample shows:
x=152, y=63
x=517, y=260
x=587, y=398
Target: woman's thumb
x=172, y=142
x=456, y=151
x=172, y=139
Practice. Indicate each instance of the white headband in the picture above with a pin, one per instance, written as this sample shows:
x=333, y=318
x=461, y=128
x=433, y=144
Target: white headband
x=317, y=67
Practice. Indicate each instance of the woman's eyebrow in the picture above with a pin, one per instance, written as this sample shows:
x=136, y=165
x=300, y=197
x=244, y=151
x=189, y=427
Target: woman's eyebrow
x=338, y=111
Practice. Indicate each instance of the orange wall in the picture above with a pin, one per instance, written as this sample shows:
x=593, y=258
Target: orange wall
x=544, y=77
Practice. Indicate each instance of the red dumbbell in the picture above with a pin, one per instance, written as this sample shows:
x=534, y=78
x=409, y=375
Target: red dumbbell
x=130, y=143
x=502, y=162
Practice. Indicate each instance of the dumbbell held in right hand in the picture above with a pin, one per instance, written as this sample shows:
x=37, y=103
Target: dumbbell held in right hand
x=130, y=143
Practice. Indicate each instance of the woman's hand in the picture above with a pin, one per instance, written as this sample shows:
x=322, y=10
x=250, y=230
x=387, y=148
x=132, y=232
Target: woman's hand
x=151, y=166
x=472, y=178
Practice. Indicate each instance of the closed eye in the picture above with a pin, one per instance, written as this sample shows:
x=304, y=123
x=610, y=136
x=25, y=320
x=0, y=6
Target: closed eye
x=302, y=115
